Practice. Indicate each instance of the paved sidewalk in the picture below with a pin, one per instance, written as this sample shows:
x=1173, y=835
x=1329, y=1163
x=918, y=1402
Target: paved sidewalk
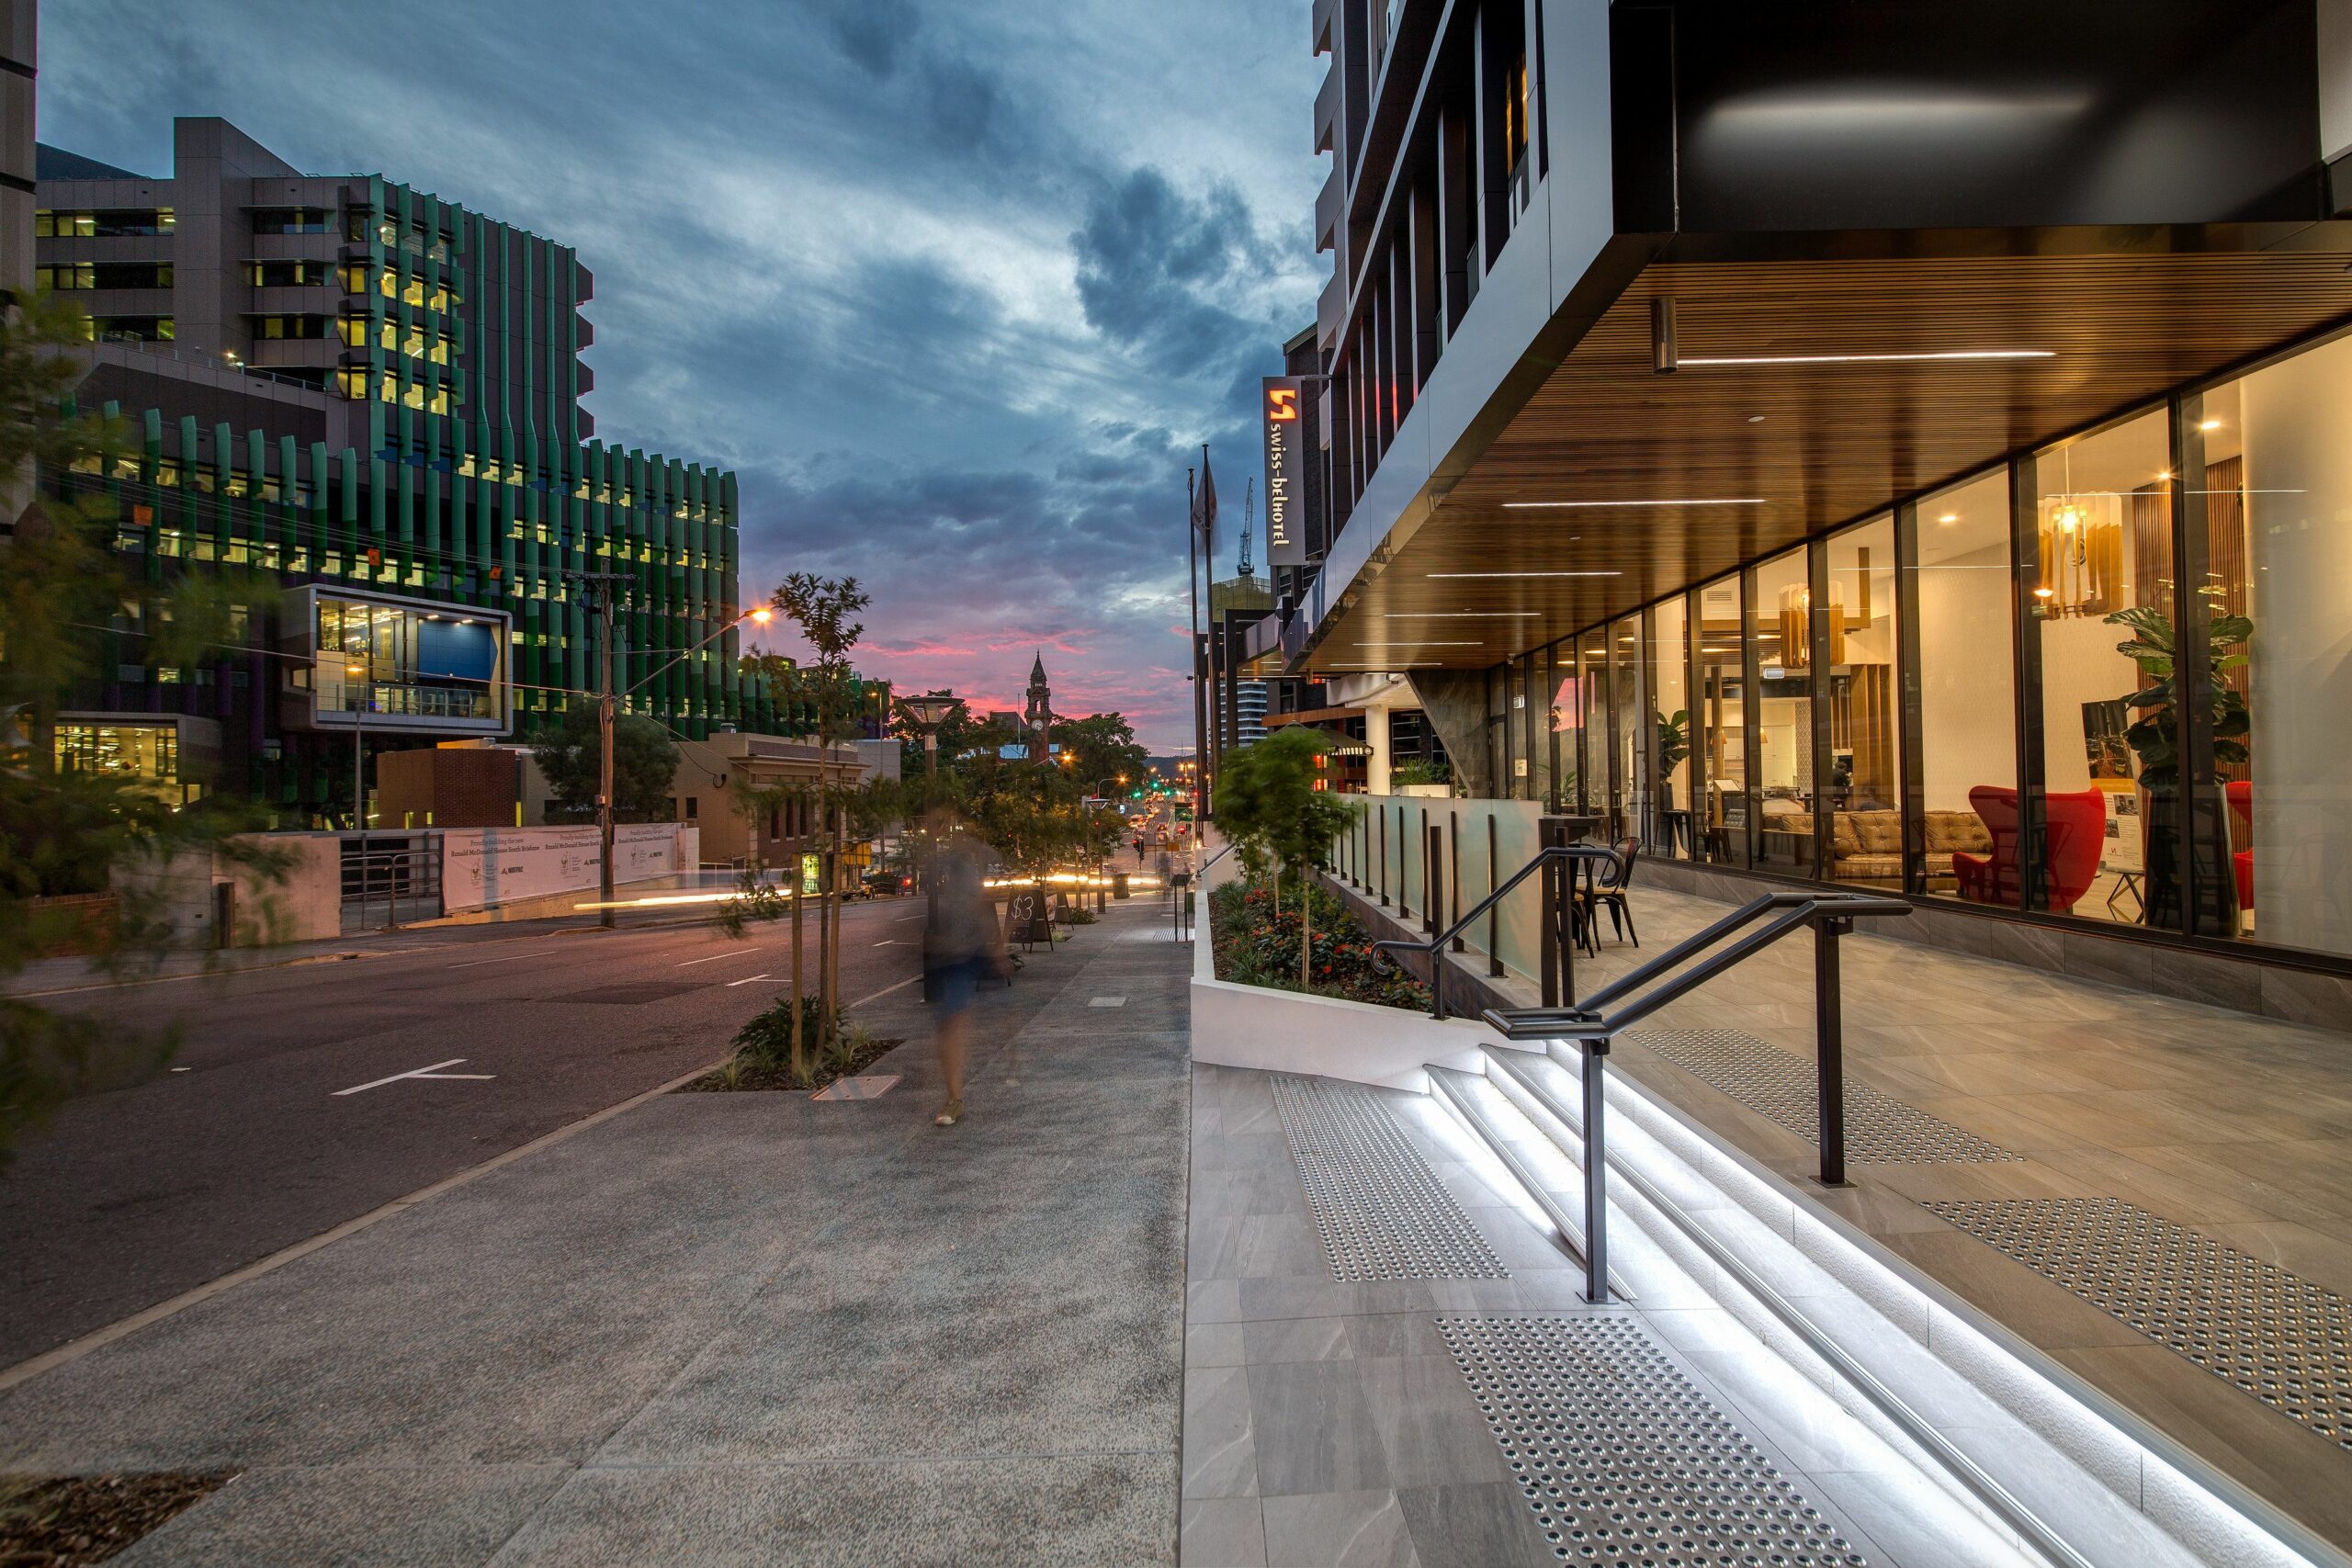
x=722, y=1328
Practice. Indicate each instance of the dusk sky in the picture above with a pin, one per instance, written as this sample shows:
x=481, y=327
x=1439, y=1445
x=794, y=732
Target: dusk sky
x=957, y=288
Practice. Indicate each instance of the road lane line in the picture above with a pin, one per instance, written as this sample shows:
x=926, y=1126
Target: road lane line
x=859, y=1003
x=98, y=1339
x=510, y=958
x=716, y=957
x=732, y=983
x=431, y=1072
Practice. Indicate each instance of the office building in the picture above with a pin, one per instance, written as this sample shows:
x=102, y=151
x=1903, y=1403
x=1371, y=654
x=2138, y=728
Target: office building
x=1759, y=432
x=372, y=397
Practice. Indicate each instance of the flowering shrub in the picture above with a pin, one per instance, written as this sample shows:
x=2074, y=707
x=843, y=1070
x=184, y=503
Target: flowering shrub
x=1254, y=945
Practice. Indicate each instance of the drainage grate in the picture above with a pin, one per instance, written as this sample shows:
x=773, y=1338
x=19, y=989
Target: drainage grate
x=1624, y=1459
x=2280, y=1338
x=1382, y=1213
x=1880, y=1128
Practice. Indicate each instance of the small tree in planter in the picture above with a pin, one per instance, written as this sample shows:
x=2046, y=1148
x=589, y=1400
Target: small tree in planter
x=2155, y=734
x=1673, y=746
x=1268, y=806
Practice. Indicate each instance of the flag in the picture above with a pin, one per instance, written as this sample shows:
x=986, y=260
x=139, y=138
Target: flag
x=1204, y=507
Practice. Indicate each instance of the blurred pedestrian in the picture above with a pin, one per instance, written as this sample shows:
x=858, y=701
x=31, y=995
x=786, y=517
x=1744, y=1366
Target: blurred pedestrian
x=962, y=944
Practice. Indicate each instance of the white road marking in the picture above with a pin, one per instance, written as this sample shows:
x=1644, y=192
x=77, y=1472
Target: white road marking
x=478, y=963
x=892, y=942
x=716, y=957
x=431, y=1072
x=886, y=991
x=732, y=983
x=1108, y=1002
x=902, y=919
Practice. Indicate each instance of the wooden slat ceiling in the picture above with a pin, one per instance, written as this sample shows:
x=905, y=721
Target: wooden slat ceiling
x=1835, y=442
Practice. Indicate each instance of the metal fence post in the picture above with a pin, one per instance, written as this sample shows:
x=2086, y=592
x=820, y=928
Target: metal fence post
x=1493, y=911
x=1596, y=1173
x=1432, y=878
x=1829, y=1048
x=1454, y=874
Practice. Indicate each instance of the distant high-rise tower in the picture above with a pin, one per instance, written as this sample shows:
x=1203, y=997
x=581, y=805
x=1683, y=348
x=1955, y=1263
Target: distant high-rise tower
x=1039, y=714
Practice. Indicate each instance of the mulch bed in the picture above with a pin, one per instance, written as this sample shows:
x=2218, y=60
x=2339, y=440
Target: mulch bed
x=759, y=1075
x=66, y=1520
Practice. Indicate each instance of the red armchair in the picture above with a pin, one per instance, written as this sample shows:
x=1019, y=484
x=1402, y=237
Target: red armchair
x=2076, y=830
x=2240, y=794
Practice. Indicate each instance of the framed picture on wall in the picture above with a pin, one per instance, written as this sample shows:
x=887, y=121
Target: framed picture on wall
x=2104, y=748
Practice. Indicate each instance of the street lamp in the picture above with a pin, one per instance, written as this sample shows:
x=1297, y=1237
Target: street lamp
x=358, y=811
x=927, y=713
x=608, y=707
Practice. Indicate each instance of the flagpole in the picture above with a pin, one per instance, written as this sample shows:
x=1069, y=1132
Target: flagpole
x=1214, y=707
x=1200, y=708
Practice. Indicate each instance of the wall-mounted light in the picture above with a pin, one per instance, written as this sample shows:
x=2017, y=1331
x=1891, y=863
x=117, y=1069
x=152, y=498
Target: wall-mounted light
x=1678, y=501
x=1923, y=356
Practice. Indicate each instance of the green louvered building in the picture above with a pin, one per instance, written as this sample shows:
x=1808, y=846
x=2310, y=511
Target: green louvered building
x=373, y=396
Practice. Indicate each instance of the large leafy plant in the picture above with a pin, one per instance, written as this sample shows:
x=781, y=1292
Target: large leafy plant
x=1673, y=740
x=2155, y=733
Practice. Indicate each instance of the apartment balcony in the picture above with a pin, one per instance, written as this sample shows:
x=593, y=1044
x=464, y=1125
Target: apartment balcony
x=1331, y=311
x=1322, y=25
x=1329, y=203
x=1327, y=108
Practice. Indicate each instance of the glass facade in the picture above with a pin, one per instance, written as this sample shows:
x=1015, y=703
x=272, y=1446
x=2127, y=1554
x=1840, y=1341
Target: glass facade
x=147, y=754
x=1669, y=663
x=1721, y=725
x=1975, y=695
x=409, y=662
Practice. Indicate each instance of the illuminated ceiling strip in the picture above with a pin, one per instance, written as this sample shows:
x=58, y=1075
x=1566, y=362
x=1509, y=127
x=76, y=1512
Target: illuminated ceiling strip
x=1685, y=361
x=1694, y=501
x=1418, y=643
x=1468, y=574
x=1466, y=614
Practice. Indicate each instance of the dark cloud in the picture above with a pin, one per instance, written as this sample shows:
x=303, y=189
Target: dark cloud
x=1153, y=266
x=874, y=33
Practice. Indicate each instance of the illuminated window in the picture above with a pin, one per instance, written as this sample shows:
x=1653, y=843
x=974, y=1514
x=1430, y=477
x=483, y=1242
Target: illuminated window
x=288, y=274
x=289, y=220
x=83, y=275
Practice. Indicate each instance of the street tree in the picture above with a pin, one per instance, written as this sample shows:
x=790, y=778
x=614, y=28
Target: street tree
x=826, y=690
x=1100, y=747
x=645, y=761
x=66, y=832
x=1279, y=822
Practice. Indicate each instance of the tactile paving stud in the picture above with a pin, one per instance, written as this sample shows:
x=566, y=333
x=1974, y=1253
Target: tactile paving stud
x=2283, y=1339
x=1381, y=1211
x=1626, y=1461
x=1779, y=1084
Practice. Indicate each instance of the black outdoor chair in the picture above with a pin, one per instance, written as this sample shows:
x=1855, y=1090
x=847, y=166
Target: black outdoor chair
x=1607, y=891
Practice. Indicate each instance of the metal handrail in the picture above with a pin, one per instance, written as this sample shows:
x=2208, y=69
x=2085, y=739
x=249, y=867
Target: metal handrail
x=1433, y=946
x=1594, y=1032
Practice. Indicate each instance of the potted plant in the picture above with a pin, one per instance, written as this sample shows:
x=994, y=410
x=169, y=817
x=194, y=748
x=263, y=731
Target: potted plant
x=1673, y=746
x=2155, y=735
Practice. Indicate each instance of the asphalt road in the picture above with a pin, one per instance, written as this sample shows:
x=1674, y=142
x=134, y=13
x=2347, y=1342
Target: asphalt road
x=262, y=1134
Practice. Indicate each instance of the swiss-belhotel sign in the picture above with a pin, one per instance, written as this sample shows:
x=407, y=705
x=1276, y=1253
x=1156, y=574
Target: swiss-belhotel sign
x=1285, y=470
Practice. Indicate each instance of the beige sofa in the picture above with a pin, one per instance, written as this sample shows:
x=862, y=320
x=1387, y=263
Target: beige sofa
x=1867, y=846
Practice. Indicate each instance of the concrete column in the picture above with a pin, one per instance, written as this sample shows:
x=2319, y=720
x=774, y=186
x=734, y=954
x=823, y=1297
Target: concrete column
x=1376, y=735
